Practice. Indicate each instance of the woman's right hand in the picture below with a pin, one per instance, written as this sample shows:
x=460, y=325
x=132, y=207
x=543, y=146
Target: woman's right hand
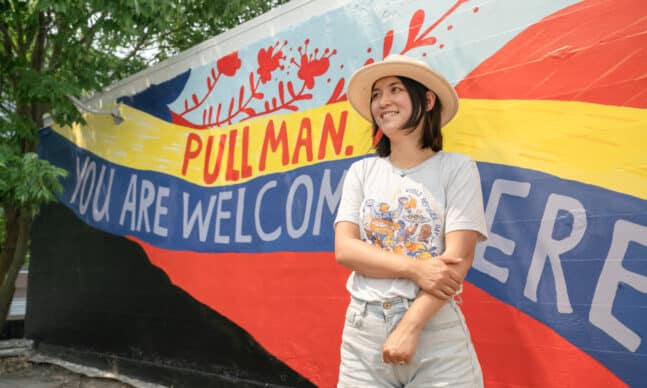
x=437, y=277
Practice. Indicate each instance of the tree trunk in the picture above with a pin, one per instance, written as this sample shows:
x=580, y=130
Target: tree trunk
x=24, y=222
x=10, y=240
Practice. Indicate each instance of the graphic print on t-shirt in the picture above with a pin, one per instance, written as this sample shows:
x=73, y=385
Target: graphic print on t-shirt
x=407, y=226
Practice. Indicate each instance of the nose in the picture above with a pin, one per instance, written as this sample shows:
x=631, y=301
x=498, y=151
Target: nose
x=382, y=100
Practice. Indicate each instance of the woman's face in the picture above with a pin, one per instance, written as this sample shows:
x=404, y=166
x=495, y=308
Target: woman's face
x=391, y=106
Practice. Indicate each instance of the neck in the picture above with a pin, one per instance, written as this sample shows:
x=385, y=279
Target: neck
x=406, y=157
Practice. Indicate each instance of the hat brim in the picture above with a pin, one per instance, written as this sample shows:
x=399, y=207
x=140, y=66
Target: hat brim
x=361, y=84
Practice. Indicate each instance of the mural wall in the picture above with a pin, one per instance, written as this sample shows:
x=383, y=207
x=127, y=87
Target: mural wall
x=227, y=174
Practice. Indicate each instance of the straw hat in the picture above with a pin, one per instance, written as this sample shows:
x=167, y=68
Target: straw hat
x=361, y=83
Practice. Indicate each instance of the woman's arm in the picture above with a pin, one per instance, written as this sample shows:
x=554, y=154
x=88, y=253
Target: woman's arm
x=440, y=278
x=401, y=344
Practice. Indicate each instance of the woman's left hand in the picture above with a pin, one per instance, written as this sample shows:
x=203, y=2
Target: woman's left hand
x=400, y=345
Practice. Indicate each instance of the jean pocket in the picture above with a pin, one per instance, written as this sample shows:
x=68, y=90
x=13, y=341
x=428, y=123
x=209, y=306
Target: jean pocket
x=353, y=317
x=434, y=326
x=447, y=317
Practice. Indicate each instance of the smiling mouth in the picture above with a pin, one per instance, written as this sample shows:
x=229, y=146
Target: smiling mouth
x=388, y=114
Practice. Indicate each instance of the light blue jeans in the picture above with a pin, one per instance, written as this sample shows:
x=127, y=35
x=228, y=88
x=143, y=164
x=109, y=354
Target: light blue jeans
x=444, y=357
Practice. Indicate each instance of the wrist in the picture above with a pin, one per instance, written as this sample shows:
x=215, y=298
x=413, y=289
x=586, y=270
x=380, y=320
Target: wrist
x=411, y=325
x=410, y=270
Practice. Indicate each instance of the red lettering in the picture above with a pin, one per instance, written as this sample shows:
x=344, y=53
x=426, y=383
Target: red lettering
x=190, y=152
x=273, y=141
x=232, y=174
x=336, y=135
x=210, y=175
x=303, y=140
x=246, y=168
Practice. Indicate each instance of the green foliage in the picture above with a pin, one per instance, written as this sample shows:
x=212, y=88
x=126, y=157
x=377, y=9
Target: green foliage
x=27, y=181
x=2, y=227
x=51, y=50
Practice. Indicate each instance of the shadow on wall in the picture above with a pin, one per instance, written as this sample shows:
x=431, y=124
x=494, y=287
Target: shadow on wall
x=15, y=324
x=94, y=298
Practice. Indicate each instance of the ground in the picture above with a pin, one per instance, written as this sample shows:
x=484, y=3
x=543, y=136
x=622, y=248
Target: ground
x=20, y=372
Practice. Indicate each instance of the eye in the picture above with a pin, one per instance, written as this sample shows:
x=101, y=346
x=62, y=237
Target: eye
x=374, y=95
x=396, y=89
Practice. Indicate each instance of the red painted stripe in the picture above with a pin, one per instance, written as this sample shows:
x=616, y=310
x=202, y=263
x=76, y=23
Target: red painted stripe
x=516, y=350
x=293, y=304
x=593, y=51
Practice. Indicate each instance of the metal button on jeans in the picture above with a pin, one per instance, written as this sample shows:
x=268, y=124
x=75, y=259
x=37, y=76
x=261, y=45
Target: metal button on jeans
x=386, y=305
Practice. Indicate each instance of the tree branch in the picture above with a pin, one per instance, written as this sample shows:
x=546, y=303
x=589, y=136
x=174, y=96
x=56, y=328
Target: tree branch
x=6, y=109
x=140, y=43
x=89, y=35
x=21, y=48
x=7, y=42
x=138, y=46
x=38, y=54
x=58, y=46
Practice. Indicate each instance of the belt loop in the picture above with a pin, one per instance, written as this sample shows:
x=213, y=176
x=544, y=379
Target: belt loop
x=406, y=302
x=362, y=305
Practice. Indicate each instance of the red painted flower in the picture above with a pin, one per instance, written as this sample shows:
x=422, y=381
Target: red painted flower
x=268, y=61
x=311, y=66
x=229, y=64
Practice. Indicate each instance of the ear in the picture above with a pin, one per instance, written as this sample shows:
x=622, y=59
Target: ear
x=431, y=100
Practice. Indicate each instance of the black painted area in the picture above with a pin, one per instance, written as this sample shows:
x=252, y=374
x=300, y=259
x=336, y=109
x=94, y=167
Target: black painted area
x=94, y=297
x=12, y=330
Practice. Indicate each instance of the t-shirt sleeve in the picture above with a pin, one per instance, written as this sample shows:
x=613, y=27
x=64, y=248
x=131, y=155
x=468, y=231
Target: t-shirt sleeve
x=352, y=195
x=465, y=200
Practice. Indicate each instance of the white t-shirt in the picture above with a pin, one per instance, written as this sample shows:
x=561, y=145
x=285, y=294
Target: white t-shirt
x=409, y=212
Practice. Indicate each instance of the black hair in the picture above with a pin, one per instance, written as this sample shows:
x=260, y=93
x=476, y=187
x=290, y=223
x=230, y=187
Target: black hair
x=431, y=134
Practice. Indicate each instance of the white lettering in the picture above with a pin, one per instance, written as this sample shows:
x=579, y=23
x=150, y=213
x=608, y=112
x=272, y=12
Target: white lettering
x=99, y=213
x=220, y=215
x=203, y=222
x=146, y=199
x=613, y=273
x=130, y=203
x=240, y=208
x=505, y=245
x=80, y=176
x=546, y=246
x=330, y=198
x=257, y=215
x=86, y=195
x=160, y=210
x=306, y=182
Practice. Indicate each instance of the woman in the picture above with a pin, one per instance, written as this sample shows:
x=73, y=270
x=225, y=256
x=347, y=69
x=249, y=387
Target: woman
x=410, y=203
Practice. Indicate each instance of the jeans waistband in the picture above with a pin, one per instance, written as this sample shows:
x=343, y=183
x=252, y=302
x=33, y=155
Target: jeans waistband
x=382, y=308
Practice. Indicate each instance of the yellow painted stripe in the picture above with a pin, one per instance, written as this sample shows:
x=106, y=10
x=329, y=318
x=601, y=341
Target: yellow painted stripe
x=145, y=142
x=601, y=145
x=596, y=144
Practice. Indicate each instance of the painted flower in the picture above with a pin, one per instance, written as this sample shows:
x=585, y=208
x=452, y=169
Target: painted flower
x=311, y=69
x=311, y=66
x=268, y=61
x=229, y=64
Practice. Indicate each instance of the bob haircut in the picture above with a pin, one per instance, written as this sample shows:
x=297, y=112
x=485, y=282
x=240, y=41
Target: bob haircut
x=431, y=134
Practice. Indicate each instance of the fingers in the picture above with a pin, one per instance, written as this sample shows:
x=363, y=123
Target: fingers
x=454, y=277
x=442, y=294
x=441, y=287
x=398, y=348
x=450, y=260
x=390, y=356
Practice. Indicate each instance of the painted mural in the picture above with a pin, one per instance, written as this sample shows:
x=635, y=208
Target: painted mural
x=228, y=175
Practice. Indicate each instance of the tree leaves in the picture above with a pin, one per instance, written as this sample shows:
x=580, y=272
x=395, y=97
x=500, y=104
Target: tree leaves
x=27, y=181
x=52, y=49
